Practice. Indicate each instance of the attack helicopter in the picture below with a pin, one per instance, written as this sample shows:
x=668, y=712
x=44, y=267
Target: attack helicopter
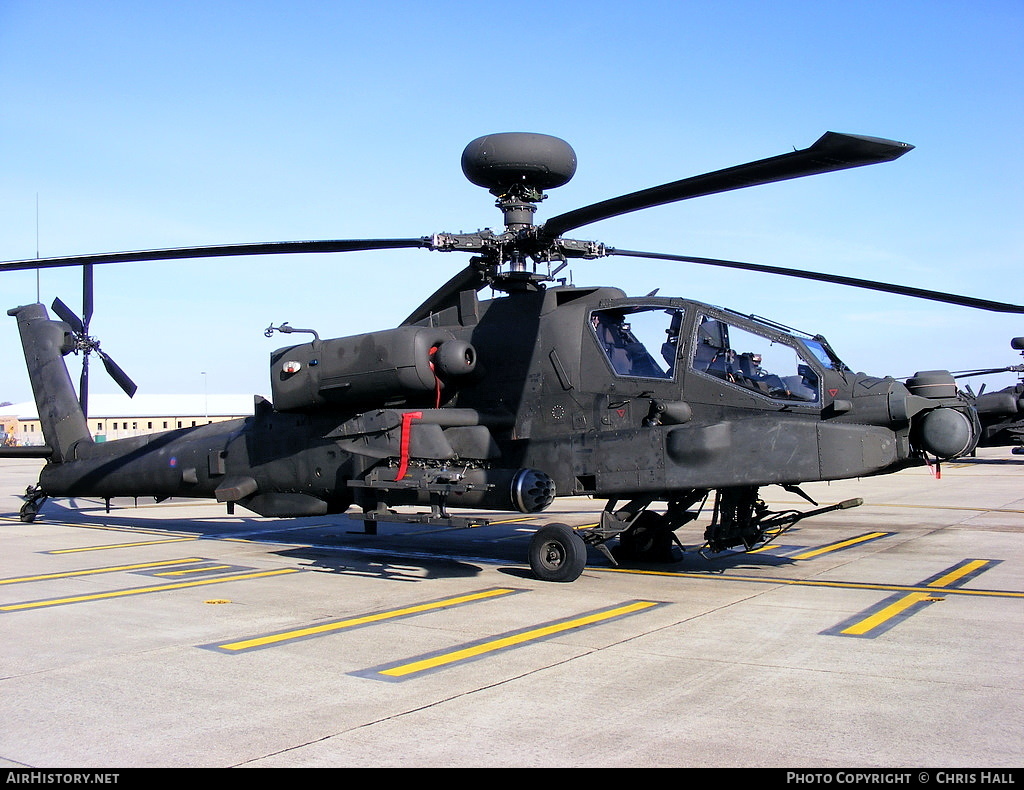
x=655, y=404
x=1001, y=412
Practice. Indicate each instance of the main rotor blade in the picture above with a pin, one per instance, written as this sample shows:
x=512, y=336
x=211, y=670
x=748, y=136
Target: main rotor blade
x=447, y=295
x=963, y=374
x=837, y=279
x=831, y=152
x=117, y=374
x=217, y=251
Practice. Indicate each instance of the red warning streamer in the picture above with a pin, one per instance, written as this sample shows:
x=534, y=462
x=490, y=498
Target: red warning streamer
x=403, y=458
x=437, y=381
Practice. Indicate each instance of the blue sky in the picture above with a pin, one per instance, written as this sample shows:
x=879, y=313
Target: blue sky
x=162, y=124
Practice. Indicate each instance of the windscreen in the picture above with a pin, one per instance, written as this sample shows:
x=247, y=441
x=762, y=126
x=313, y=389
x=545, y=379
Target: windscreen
x=640, y=342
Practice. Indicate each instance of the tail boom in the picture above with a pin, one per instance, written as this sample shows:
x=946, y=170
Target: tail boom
x=45, y=342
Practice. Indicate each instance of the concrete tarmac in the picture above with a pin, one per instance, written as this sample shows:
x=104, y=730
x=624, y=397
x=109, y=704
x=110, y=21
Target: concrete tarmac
x=174, y=634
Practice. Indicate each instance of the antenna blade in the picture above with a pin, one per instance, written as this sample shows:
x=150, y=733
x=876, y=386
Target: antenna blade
x=836, y=279
x=831, y=152
x=218, y=251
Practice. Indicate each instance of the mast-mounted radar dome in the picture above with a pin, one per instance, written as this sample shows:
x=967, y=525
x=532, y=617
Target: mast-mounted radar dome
x=501, y=162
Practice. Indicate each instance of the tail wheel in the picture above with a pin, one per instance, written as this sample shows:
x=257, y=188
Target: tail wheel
x=557, y=553
x=30, y=510
x=34, y=499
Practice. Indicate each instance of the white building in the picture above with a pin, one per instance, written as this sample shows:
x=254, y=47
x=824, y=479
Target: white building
x=117, y=416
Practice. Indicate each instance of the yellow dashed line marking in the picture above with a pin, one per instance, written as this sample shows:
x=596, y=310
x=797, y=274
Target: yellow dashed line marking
x=959, y=573
x=812, y=582
x=843, y=544
x=886, y=614
x=368, y=619
x=953, y=507
x=91, y=571
x=407, y=669
x=15, y=607
x=201, y=569
x=119, y=546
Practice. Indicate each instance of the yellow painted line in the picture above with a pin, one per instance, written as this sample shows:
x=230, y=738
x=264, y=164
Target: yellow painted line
x=187, y=571
x=883, y=615
x=840, y=545
x=958, y=573
x=926, y=507
x=814, y=583
x=950, y=507
x=109, y=569
x=353, y=622
x=119, y=546
x=131, y=530
x=901, y=605
x=513, y=640
x=142, y=590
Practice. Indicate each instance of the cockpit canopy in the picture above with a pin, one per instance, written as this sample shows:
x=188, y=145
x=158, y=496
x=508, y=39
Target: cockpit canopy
x=647, y=341
x=764, y=365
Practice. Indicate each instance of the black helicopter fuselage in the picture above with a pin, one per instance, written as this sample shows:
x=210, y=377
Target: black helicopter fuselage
x=507, y=403
x=504, y=404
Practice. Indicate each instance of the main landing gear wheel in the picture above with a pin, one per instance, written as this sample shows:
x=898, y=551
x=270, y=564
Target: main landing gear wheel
x=557, y=553
x=648, y=539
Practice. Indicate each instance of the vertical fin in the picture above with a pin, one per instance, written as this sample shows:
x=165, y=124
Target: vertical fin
x=45, y=343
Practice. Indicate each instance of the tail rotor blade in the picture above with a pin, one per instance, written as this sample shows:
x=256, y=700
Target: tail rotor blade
x=67, y=315
x=83, y=386
x=118, y=375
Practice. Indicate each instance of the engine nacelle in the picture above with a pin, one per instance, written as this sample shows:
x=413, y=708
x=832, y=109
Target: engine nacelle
x=396, y=367
x=932, y=384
